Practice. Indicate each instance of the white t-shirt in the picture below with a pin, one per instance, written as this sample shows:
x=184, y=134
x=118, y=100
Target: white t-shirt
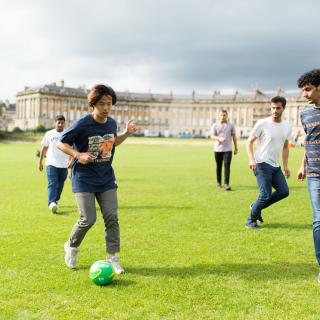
x=271, y=138
x=55, y=157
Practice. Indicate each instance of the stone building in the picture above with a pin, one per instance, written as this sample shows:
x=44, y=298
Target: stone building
x=155, y=114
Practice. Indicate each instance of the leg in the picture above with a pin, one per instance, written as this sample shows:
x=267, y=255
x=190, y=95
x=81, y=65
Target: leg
x=264, y=181
x=314, y=194
x=52, y=176
x=227, y=162
x=87, y=209
x=219, y=159
x=108, y=203
x=63, y=173
x=280, y=185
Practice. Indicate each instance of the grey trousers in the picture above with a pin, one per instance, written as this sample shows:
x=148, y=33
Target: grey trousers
x=108, y=203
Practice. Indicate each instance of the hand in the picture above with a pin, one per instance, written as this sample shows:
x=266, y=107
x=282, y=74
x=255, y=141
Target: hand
x=40, y=166
x=131, y=127
x=287, y=173
x=252, y=165
x=235, y=151
x=85, y=157
x=301, y=174
x=221, y=139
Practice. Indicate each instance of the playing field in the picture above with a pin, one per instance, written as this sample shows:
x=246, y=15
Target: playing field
x=184, y=245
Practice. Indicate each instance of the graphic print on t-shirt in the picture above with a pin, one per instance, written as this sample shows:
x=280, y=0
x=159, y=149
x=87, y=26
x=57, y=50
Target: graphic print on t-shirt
x=101, y=147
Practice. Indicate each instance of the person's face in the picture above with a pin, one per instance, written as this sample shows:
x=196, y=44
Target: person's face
x=59, y=125
x=103, y=107
x=311, y=93
x=223, y=117
x=276, y=110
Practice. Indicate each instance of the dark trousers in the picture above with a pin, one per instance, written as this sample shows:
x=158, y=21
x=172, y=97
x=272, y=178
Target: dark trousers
x=223, y=157
x=268, y=177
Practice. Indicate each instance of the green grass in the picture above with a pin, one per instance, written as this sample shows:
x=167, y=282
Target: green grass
x=184, y=245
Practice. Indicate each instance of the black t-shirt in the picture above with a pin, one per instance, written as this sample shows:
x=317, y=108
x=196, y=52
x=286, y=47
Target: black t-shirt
x=88, y=135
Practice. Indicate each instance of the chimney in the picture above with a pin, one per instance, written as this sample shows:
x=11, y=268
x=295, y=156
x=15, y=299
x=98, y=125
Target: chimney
x=62, y=83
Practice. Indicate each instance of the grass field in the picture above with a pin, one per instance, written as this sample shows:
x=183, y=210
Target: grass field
x=184, y=245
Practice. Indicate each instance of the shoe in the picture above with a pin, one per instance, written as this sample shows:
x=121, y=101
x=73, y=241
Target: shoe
x=319, y=277
x=227, y=187
x=53, y=207
x=259, y=218
x=114, y=260
x=219, y=185
x=252, y=225
x=70, y=257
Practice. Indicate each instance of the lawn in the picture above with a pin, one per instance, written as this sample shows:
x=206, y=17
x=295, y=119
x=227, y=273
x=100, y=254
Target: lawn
x=184, y=245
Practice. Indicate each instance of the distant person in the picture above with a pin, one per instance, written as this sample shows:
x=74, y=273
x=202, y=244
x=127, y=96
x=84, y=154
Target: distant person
x=56, y=163
x=309, y=83
x=272, y=135
x=94, y=138
x=223, y=132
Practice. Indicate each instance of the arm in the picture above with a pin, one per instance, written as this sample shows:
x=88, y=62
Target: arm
x=301, y=174
x=234, y=137
x=42, y=155
x=285, y=157
x=82, y=157
x=220, y=139
x=130, y=128
x=249, y=146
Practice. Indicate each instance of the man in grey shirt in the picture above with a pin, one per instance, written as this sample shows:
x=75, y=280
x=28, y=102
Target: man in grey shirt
x=223, y=132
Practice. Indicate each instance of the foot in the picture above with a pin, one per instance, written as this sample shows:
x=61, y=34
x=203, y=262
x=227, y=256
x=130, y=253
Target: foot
x=219, y=185
x=252, y=225
x=53, y=207
x=70, y=257
x=319, y=277
x=259, y=218
x=227, y=187
x=114, y=260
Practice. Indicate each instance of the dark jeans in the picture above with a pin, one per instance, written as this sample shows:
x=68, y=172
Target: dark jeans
x=56, y=179
x=314, y=194
x=268, y=177
x=223, y=157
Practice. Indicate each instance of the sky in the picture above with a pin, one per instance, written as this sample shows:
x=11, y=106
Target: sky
x=158, y=46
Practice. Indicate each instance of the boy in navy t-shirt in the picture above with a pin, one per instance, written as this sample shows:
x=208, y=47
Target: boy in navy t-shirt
x=93, y=139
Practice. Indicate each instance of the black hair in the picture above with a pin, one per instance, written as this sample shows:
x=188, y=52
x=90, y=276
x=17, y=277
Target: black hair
x=280, y=99
x=60, y=117
x=98, y=91
x=224, y=111
x=311, y=77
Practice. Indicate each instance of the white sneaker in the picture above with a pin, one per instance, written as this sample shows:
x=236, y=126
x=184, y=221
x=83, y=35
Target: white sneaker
x=70, y=257
x=114, y=260
x=53, y=207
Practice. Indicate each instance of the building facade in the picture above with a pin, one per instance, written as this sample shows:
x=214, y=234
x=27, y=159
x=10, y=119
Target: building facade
x=156, y=114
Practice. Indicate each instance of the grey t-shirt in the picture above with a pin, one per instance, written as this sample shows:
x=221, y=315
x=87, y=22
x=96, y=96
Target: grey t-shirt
x=225, y=130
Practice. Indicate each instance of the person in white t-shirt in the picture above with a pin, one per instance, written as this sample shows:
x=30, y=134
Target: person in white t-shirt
x=272, y=135
x=56, y=162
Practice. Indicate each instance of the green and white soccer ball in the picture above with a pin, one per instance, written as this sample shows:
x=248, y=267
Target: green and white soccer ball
x=101, y=272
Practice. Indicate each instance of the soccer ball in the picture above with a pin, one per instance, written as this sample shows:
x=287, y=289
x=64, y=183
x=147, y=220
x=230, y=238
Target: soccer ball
x=101, y=272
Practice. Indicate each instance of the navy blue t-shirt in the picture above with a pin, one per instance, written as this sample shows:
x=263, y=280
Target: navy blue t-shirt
x=88, y=135
x=310, y=120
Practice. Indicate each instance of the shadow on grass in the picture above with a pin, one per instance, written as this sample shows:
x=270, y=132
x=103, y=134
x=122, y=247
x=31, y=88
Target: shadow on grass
x=253, y=272
x=288, y=226
x=155, y=207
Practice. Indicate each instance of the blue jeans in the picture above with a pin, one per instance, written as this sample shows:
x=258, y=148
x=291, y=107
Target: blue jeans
x=314, y=194
x=56, y=178
x=268, y=177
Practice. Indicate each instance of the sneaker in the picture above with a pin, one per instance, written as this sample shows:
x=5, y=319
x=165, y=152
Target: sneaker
x=70, y=257
x=259, y=218
x=227, y=187
x=219, y=185
x=252, y=225
x=319, y=277
x=114, y=260
x=53, y=207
